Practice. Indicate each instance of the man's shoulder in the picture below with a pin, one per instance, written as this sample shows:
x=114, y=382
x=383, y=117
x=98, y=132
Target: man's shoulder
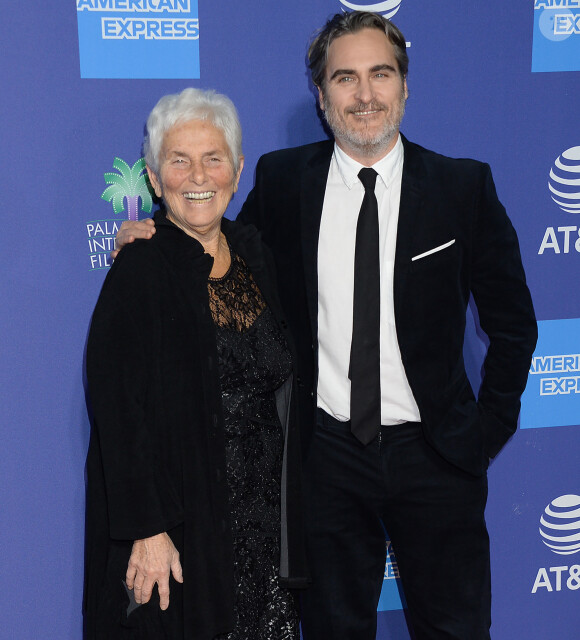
x=300, y=154
x=434, y=160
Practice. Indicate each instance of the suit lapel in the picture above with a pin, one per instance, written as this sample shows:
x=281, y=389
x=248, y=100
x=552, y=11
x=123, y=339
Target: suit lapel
x=412, y=201
x=312, y=190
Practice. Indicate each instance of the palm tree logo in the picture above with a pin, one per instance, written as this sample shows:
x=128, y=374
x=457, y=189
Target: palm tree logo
x=130, y=183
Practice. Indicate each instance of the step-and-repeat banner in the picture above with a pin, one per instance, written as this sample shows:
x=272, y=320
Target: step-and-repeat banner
x=498, y=81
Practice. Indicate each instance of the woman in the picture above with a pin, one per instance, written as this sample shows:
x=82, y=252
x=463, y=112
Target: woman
x=192, y=469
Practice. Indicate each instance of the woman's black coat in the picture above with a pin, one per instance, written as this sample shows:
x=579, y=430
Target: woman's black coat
x=156, y=459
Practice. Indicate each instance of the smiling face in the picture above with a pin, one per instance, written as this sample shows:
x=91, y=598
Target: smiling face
x=196, y=177
x=364, y=95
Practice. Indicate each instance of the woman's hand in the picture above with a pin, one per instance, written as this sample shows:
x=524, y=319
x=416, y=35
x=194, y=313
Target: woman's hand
x=132, y=230
x=151, y=561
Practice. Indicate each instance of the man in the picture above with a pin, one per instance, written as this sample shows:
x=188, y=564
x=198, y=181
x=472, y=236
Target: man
x=384, y=347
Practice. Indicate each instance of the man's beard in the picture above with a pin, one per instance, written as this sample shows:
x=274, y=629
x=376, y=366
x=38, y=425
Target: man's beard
x=361, y=140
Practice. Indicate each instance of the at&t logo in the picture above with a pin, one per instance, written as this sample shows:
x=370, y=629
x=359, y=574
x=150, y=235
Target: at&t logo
x=560, y=531
x=560, y=525
x=564, y=182
x=387, y=8
x=564, y=186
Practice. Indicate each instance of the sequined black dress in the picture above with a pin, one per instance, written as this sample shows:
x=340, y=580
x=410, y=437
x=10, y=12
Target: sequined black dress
x=254, y=361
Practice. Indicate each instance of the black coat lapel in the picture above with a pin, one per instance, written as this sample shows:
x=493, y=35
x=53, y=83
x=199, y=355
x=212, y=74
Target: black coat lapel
x=312, y=190
x=412, y=201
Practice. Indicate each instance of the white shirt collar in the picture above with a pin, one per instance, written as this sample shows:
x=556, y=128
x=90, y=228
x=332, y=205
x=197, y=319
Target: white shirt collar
x=387, y=167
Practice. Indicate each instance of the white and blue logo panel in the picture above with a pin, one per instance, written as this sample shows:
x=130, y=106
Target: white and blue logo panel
x=138, y=38
x=552, y=396
x=391, y=593
x=556, y=44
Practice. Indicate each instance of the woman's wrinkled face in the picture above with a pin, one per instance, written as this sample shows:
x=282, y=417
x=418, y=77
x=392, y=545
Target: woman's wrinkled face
x=196, y=176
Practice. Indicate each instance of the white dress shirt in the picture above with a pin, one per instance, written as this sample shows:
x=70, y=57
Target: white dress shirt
x=336, y=245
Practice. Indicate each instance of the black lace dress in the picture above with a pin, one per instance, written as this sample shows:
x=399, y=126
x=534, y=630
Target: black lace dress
x=254, y=361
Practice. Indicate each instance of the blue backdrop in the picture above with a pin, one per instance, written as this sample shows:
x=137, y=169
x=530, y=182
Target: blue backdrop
x=493, y=80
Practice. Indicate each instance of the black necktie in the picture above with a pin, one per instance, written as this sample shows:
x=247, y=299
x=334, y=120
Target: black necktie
x=364, y=373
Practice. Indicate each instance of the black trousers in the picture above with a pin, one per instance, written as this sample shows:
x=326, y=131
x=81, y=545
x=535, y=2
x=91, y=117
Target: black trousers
x=433, y=514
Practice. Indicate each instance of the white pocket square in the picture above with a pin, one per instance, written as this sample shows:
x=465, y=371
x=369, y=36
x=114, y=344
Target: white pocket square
x=439, y=248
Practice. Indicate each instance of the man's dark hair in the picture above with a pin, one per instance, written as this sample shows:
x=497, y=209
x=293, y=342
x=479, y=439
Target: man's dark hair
x=344, y=23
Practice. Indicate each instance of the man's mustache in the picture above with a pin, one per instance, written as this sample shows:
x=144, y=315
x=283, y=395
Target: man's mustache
x=370, y=106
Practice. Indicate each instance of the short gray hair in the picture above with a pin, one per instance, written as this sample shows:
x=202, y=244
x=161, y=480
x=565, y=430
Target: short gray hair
x=192, y=104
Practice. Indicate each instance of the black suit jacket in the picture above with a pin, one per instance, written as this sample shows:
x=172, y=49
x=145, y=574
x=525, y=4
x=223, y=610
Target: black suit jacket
x=443, y=201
